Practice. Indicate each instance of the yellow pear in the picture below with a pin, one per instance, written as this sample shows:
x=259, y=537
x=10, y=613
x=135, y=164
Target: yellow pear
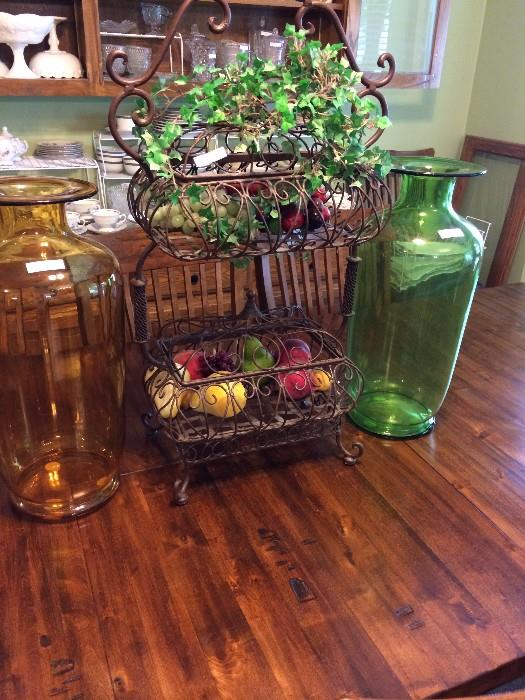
x=223, y=400
x=320, y=380
x=165, y=391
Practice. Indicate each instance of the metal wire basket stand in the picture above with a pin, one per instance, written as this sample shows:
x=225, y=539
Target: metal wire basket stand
x=210, y=396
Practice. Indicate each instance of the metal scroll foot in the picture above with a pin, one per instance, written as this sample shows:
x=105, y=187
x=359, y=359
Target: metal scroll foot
x=350, y=458
x=180, y=490
x=152, y=426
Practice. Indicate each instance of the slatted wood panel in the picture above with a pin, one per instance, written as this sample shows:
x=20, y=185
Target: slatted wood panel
x=190, y=291
x=313, y=280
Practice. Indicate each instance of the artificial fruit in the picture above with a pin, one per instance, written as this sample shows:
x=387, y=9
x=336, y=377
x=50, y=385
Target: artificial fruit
x=255, y=356
x=224, y=399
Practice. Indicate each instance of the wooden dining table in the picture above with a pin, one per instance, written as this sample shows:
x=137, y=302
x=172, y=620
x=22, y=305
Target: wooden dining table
x=289, y=575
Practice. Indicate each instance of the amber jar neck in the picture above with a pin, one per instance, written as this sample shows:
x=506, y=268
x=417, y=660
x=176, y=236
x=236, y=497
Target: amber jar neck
x=30, y=220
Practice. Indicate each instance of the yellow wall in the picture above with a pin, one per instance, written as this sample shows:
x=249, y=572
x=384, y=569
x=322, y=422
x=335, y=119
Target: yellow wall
x=497, y=107
x=497, y=111
x=438, y=117
x=421, y=117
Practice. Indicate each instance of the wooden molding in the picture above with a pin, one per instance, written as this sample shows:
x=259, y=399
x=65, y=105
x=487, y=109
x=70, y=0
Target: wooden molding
x=515, y=216
x=510, y=233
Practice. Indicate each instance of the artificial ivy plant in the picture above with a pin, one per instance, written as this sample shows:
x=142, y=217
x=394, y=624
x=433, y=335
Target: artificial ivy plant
x=316, y=87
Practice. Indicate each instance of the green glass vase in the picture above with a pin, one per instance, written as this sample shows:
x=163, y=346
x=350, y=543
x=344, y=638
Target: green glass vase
x=414, y=292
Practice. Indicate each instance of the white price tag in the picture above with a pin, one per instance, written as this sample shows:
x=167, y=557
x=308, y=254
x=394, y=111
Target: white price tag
x=45, y=266
x=446, y=233
x=205, y=159
x=275, y=44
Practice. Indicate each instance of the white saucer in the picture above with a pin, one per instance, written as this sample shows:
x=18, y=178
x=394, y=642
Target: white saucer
x=96, y=229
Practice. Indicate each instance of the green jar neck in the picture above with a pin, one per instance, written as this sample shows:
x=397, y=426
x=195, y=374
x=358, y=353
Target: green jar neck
x=426, y=192
x=41, y=219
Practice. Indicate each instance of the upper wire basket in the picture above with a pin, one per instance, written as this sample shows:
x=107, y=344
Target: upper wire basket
x=221, y=202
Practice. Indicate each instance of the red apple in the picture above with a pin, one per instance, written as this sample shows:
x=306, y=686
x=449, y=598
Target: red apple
x=320, y=193
x=293, y=220
x=256, y=188
x=296, y=384
x=295, y=352
x=193, y=362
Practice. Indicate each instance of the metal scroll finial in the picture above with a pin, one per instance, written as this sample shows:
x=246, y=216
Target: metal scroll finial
x=132, y=86
x=371, y=87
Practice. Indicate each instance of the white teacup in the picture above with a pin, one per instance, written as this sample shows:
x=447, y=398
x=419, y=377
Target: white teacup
x=108, y=218
x=84, y=206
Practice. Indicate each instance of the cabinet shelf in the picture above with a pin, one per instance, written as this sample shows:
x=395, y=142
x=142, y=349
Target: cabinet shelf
x=294, y=4
x=45, y=86
x=81, y=35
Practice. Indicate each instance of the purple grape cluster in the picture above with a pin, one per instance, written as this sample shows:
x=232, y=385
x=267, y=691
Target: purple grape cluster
x=220, y=361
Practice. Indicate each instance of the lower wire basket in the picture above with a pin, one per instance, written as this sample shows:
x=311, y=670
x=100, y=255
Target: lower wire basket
x=225, y=386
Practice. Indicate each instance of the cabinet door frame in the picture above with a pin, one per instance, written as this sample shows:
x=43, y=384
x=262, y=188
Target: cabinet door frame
x=422, y=79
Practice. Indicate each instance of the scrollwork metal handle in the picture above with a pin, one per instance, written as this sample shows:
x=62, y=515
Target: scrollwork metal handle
x=132, y=86
x=371, y=87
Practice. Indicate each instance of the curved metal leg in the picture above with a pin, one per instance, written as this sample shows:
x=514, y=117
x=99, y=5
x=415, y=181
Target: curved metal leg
x=180, y=485
x=180, y=488
x=350, y=458
x=152, y=426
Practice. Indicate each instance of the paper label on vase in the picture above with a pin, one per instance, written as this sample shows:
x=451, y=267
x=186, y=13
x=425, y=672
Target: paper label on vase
x=45, y=266
x=446, y=233
x=205, y=159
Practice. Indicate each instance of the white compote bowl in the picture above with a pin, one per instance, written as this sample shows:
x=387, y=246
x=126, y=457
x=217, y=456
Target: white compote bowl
x=55, y=63
x=18, y=31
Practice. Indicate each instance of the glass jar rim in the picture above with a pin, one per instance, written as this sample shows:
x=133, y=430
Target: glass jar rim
x=20, y=191
x=432, y=166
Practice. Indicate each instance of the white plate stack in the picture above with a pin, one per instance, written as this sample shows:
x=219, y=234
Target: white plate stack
x=171, y=114
x=59, y=150
x=110, y=159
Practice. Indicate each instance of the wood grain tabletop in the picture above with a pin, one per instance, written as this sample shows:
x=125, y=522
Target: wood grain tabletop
x=288, y=575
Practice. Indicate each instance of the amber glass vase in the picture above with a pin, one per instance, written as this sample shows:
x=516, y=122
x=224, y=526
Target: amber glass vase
x=61, y=354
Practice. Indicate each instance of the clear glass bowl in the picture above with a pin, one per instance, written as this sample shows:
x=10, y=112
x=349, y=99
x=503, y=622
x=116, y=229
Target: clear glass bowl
x=227, y=52
x=119, y=65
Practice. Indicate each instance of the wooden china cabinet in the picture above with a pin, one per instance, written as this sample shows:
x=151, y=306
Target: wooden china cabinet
x=80, y=34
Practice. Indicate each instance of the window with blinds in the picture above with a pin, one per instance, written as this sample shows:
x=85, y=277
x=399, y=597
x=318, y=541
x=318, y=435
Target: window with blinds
x=405, y=28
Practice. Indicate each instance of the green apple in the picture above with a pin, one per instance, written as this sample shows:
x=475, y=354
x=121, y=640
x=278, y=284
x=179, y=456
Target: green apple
x=222, y=212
